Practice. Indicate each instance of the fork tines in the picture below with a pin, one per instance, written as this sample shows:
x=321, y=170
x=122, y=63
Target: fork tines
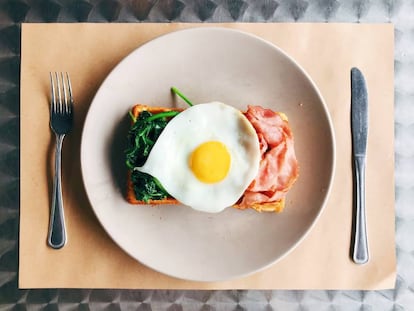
x=61, y=93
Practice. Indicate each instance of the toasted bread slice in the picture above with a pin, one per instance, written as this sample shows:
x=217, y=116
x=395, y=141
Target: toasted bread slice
x=276, y=206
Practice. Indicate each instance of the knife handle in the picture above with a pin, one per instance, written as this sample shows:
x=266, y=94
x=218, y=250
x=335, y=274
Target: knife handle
x=360, y=253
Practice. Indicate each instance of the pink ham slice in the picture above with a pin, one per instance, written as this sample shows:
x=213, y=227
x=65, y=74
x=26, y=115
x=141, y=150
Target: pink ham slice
x=278, y=167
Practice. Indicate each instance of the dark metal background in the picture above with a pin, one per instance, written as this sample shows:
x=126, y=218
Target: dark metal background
x=14, y=12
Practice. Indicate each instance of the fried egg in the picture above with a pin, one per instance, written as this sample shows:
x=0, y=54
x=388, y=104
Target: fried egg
x=206, y=156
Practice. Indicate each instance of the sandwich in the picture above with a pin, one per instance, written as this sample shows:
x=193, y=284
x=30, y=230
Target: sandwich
x=210, y=156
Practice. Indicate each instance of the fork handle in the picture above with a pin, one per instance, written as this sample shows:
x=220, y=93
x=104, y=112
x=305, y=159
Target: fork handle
x=57, y=229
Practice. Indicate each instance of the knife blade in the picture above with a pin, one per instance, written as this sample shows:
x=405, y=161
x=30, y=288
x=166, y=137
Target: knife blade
x=359, y=127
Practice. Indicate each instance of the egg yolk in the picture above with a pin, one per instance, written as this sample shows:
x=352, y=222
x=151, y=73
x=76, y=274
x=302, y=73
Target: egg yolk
x=210, y=162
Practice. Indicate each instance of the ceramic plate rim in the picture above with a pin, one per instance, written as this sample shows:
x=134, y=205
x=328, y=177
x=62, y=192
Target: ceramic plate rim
x=326, y=115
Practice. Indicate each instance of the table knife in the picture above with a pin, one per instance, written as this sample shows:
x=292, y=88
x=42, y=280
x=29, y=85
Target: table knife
x=359, y=126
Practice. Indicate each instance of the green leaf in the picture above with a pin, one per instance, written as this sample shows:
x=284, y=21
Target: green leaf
x=177, y=92
x=141, y=138
x=147, y=187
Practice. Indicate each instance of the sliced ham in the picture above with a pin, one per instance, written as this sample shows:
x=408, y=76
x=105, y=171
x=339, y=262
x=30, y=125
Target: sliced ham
x=278, y=167
x=267, y=123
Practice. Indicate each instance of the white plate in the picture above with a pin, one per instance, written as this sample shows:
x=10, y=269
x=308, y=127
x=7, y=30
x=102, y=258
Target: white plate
x=206, y=64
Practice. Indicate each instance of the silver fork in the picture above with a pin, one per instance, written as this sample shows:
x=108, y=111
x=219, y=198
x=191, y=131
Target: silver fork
x=61, y=119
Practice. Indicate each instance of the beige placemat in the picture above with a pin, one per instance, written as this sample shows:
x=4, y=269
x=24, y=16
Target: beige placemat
x=92, y=260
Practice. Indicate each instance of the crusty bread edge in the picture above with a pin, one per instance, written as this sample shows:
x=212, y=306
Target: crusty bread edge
x=276, y=206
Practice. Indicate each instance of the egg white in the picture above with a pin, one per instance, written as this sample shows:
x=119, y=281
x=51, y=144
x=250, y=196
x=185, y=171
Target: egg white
x=169, y=157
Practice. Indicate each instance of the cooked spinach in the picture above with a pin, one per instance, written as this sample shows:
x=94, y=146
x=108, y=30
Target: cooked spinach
x=147, y=187
x=141, y=138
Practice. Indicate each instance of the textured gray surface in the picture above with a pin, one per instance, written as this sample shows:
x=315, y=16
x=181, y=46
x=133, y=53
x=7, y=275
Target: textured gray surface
x=13, y=12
